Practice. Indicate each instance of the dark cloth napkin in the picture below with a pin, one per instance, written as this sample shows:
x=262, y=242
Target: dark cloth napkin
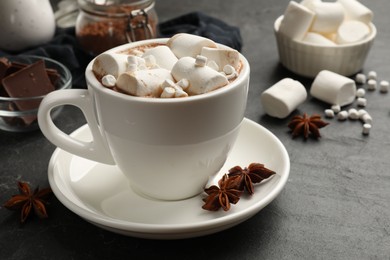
x=201, y=24
x=65, y=48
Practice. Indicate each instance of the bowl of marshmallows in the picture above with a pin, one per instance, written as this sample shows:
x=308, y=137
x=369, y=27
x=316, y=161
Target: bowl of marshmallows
x=314, y=35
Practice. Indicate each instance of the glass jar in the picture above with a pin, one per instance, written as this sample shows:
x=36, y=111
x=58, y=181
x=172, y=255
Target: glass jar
x=104, y=24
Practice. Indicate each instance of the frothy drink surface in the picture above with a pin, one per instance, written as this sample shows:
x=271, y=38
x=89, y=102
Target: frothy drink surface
x=186, y=65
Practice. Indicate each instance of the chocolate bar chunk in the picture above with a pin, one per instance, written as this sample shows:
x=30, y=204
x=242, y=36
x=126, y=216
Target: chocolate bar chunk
x=29, y=81
x=4, y=66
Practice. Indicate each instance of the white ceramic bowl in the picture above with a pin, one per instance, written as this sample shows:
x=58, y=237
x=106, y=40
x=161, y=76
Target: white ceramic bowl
x=308, y=59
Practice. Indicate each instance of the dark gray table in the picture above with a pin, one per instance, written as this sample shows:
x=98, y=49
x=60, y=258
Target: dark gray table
x=334, y=206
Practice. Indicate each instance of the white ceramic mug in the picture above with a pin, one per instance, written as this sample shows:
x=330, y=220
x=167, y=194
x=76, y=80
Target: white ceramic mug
x=168, y=148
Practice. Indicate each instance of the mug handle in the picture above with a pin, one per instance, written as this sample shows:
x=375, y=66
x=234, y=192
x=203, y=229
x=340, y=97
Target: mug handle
x=97, y=149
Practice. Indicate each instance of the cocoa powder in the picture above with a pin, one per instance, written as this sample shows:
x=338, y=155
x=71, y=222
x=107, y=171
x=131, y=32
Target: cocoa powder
x=97, y=37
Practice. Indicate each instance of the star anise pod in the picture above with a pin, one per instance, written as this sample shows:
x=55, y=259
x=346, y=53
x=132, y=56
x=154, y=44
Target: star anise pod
x=305, y=125
x=28, y=200
x=254, y=173
x=222, y=196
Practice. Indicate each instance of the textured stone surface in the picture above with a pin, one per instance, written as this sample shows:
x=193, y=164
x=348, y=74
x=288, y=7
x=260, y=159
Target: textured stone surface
x=334, y=206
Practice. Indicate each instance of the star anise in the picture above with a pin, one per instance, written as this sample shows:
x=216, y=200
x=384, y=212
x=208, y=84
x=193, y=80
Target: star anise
x=222, y=196
x=254, y=173
x=305, y=125
x=28, y=200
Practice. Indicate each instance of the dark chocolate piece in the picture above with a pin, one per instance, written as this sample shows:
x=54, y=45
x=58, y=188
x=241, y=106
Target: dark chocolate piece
x=29, y=81
x=4, y=66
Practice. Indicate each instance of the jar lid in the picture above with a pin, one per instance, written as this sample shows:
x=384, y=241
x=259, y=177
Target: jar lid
x=67, y=13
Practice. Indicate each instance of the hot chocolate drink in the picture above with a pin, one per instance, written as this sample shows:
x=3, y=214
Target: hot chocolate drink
x=187, y=65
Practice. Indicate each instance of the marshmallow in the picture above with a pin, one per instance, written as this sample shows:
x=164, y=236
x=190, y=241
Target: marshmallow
x=333, y=88
x=184, y=44
x=384, y=86
x=150, y=62
x=336, y=108
x=296, y=21
x=228, y=70
x=328, y=16
x=200, y=60
x=110, y=63
x=309, y=3
x=329, y=113
x=361, y=112
x=342, y=115
x=366, y=129
x=354, y=10
x=283, y=97
x=135, y=63
x=360, y=78
x=180, y=93
x=163, y=55
x=201, y=79
x=352, y=31
x=143, y=83
x=183, y=83
x=168, y=83
x=222, y=57
x=168, y=92
x=316, y=38
x=212, y=64
x=371, y=84
x=109, y=81
x=365, y=117
x=360, y=92
x=353, y=114
x=362, y=102
x=372, y=75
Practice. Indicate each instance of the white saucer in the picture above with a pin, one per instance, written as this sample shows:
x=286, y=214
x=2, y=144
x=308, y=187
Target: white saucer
x=100, y=194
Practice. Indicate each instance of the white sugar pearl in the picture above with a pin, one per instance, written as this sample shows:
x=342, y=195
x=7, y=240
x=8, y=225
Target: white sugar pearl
x=360, y=92
x=336, y=108
x=372, y=75
x=342, y=115
x=109, y=81
x=384, y=86
x=360, y=78
x=329, y=113
x=371, y=84
x=361, y=102
x=200, y=61
x=366, y=129
x=353, y=114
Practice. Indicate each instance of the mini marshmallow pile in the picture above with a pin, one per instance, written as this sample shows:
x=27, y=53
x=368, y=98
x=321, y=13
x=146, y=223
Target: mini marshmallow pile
x=187, y=65
x=359, y=113
x=286, y=95
x=326, y=23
